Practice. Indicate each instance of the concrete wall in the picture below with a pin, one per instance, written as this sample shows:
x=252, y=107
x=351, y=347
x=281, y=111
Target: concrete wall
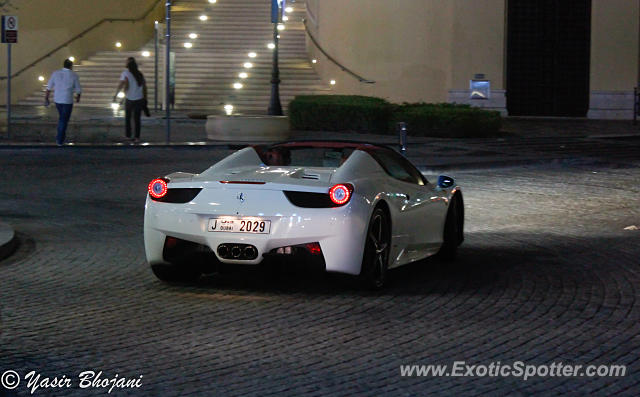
x=46, y=24
x=402, y=45
x=479, y=33
x=479, y=47
x=614, y=58
x=427, y=50
x=415, y=50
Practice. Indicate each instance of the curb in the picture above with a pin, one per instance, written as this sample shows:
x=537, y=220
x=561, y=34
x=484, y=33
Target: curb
x=489, y=164
x=8, y=241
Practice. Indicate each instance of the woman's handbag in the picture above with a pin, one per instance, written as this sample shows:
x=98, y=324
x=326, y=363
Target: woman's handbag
x=145, y=108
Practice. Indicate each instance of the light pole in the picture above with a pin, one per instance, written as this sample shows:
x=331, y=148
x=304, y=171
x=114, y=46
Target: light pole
x=8, y=90
x=275, y=108
x=167, y=61
x=155, y=67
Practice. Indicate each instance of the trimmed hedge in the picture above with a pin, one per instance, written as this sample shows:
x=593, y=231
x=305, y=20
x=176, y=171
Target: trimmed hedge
x=340, y=113
x=448, y=120
x=375, y=115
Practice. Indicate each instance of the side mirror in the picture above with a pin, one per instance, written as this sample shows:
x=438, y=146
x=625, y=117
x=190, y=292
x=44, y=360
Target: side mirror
x=445, y=182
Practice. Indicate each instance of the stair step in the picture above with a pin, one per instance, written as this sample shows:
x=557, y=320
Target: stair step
x=206, y=72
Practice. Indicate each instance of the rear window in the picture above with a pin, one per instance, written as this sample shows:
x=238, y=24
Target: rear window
x=301, y=156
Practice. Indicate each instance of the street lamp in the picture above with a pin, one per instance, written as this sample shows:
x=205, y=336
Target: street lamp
x=167, y=70
x=275, y=108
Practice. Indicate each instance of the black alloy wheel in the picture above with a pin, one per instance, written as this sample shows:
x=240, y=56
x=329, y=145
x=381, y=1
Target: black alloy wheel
x=375, y=260
x=452, y=231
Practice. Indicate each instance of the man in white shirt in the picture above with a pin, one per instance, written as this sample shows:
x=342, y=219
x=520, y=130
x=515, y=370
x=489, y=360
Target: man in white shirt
x=64, y=83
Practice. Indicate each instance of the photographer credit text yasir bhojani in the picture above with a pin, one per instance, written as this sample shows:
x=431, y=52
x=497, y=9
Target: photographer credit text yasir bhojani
x=35, y=381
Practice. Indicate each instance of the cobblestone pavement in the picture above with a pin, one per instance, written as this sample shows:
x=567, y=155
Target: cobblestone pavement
x=547, y=274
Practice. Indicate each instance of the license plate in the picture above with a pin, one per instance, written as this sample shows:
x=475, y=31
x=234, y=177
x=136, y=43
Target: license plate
x=242, y=225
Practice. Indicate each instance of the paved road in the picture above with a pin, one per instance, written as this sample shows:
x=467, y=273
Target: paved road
x=547, y=274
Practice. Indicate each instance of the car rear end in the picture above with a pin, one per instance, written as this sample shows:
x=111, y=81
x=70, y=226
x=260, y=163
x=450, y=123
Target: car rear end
x=251, y=213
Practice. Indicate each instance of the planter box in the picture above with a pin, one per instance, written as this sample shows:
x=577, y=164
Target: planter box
x=238, y=128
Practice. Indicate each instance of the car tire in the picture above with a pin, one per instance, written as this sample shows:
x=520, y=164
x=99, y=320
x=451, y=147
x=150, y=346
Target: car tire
x=452, y=231
x=375, y=259
x=175, y=274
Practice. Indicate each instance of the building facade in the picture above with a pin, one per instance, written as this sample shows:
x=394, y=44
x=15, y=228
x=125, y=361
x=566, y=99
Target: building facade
x=570, y=58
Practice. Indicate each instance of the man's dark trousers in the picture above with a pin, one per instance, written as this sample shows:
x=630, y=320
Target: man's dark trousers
x=64, y=110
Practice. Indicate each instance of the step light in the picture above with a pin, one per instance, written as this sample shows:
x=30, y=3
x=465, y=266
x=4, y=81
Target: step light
x=118, y=44
x=271, y=46
x=40, y=78
x=121, y=94
x=203, y=17
x=237, y=85
x=187, y=45
x=228, y=109
x=248, y=65
x=193, y=36
x=252, y=54
x=243, y=75
x=72, y=59
x=146, y=54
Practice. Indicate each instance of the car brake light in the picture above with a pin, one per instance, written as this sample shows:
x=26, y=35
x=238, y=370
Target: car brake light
x=170, y=242
x=340, y=194
x=314, y=248
x=158, y=188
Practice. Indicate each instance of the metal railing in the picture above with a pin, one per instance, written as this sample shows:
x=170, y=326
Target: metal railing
x=79, y=35
x=329, y=57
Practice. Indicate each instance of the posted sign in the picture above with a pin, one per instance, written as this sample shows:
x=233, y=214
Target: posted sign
x=9, y=29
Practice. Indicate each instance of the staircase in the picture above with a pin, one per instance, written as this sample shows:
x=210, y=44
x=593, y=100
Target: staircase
x=206, y=72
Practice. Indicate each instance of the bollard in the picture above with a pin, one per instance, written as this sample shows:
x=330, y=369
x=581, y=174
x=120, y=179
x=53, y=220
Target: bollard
x=402, y=133
x=636, y=105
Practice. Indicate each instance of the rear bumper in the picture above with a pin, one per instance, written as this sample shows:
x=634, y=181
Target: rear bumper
x=181, y=252
x=339, y=231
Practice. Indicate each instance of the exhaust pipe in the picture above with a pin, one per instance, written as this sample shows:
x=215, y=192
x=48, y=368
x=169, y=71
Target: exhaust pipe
x=250, y=252
x=237, y=251
x=223, y=250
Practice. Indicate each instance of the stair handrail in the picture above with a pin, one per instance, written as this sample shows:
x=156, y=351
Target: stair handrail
x=329, y=57
x=79, y=35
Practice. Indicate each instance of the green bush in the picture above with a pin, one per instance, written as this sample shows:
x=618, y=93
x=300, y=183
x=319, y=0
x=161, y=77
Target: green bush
x=448, y=120
x=340, y=113
x=375, y=115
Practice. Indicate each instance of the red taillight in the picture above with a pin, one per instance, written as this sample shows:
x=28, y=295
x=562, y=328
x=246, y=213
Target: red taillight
x=314, y=248
x=158, y=188
x=170, y=242
x=341, y=193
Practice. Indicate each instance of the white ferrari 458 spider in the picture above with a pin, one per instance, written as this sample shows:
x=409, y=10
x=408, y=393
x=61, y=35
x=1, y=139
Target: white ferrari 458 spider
x=346, y=207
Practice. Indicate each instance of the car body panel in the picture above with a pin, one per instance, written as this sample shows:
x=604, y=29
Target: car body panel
x=241, y=185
